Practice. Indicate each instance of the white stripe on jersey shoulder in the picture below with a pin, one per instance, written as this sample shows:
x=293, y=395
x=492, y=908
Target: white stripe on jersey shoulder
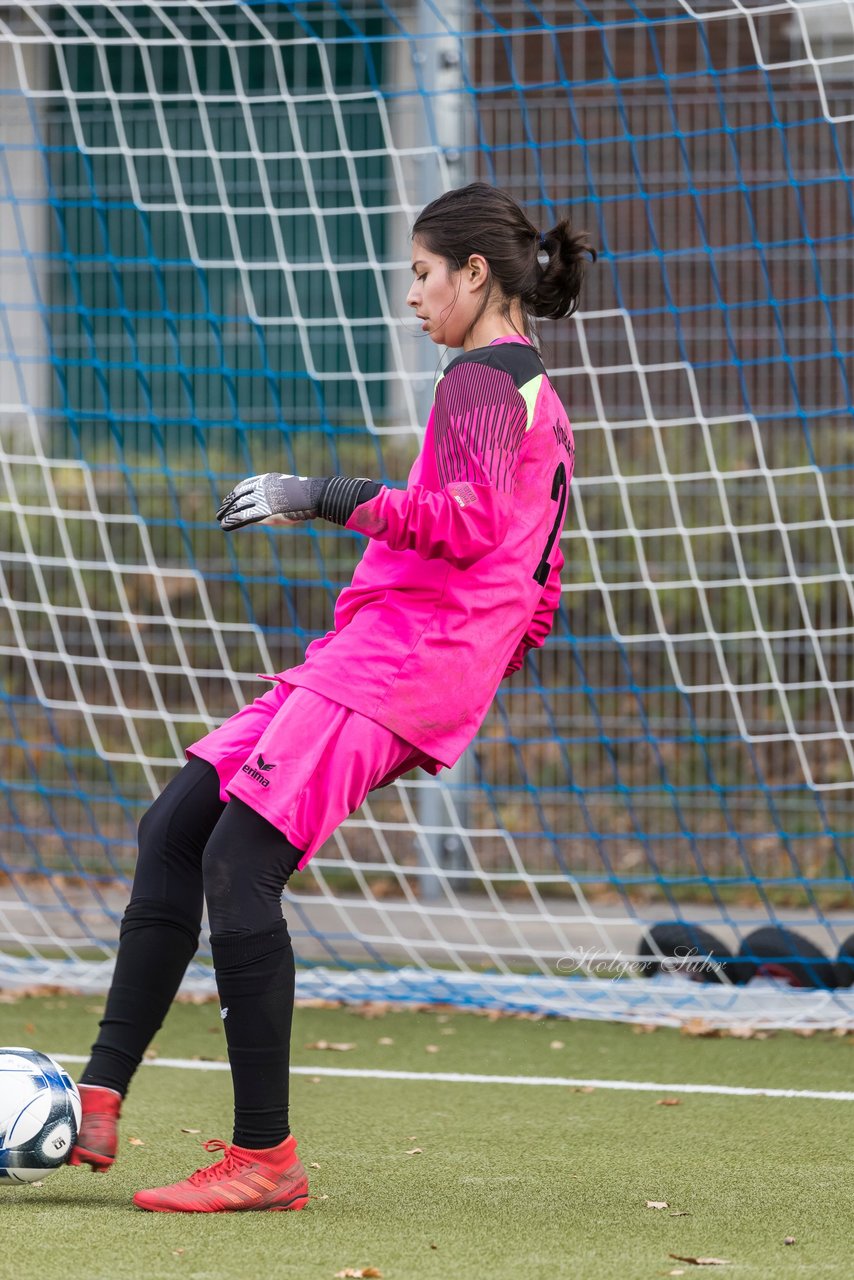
x=529, y=391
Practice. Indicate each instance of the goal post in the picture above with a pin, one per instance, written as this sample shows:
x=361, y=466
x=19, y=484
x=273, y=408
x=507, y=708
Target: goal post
x=204, y=212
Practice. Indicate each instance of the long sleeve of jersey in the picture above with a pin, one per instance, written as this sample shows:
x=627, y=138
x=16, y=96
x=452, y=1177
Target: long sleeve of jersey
x=479, y=423
x=540, y=626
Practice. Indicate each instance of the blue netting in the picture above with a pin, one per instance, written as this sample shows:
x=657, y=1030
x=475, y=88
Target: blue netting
x=203, y=255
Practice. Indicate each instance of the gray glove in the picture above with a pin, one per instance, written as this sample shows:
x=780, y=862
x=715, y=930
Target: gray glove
x=273, y=494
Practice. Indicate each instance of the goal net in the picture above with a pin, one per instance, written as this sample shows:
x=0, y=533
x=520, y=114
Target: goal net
x=204, y=219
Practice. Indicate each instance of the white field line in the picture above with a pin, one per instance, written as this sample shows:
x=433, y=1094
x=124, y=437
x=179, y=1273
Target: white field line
x=454, y=1077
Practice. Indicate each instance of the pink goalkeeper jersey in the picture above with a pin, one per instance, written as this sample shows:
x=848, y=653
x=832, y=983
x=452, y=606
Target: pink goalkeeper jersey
x=461, y=576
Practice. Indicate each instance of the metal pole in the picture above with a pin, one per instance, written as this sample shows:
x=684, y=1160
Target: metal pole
x=24, y=369
x=438, y=57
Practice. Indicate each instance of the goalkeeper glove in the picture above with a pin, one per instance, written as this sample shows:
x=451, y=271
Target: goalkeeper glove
x=295, y=498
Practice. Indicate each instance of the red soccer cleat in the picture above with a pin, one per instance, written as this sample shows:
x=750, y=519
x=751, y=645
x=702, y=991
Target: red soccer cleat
x=243, y=1179
x=99, y=1128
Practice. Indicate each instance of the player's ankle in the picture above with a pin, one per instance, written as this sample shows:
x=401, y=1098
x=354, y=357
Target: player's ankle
x=276, y=1153
x=92, y=1090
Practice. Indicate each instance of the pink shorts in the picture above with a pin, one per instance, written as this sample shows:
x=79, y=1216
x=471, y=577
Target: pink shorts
x=303, y=762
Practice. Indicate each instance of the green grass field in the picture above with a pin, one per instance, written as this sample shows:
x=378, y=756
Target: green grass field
x=511, y=1180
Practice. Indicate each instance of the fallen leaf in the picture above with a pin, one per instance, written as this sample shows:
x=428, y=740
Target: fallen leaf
x=337, y=1046
x=415, y=1151
x=385, y=1040
x=178, y=1253
x=191, y=1130
x=669, y=1102
x=677, y=1271
x=700, y=1262
x=323, y=1197
x=657, y=1204
x=431, y=1048
x=41, y=989
x=434, y=1246
x=790, y=1240
x=372, y=1009
x=363, y=1273
x=30, y=1028
x=583, y=1088
x=681, y=1213
x=316, y=1079
x=699, y=1027
x=413, y=1137
x=314, y=1165
x=36, y=1184
x=136, y=1142
x=150, y=1053
x=556, y=1044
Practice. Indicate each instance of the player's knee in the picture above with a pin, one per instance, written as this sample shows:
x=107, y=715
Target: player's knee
x=185, y=812
x=219, y=872
x=149, y=822
x=245, y=867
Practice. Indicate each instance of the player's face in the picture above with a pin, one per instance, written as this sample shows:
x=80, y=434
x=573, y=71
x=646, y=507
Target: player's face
x=441, y=297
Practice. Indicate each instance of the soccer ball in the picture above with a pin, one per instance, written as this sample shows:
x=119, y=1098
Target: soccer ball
x=39, y=1115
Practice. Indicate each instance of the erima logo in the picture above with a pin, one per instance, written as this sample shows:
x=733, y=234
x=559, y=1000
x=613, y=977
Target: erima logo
x=462, y=493
x=223, y=1013
x=257, y=775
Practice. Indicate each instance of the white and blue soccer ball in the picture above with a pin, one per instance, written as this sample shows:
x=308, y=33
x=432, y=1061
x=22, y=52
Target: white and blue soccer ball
x=39, y=1115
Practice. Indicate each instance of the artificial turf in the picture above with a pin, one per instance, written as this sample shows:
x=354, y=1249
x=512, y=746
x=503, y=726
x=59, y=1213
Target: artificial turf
x=511, y=1181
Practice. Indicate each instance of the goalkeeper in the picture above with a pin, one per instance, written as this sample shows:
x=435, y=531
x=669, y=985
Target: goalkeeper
x=460, y=577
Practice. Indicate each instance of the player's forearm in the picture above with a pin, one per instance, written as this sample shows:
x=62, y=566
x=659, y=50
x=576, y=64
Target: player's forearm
x=540, y=626
x=343, y=494
x=461, y=523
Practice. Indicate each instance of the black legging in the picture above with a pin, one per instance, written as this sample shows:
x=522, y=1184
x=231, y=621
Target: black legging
x=194, y=848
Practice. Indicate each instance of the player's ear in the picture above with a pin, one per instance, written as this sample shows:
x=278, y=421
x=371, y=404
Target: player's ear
x=477, y=271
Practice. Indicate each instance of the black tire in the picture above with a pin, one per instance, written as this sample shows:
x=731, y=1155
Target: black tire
x=680, y=939
x=782, y=953
x=845, y=963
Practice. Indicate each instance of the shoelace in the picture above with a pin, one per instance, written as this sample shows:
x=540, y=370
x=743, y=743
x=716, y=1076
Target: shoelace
x=229, y=1164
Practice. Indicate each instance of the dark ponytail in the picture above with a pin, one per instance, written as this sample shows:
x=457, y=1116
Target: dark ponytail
x=555, y=291
x=543, y=270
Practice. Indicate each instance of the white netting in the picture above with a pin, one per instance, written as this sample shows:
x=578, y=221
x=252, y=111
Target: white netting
x=204, y=211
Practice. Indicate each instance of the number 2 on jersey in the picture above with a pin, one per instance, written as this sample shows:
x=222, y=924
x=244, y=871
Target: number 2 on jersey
x=560, y=492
